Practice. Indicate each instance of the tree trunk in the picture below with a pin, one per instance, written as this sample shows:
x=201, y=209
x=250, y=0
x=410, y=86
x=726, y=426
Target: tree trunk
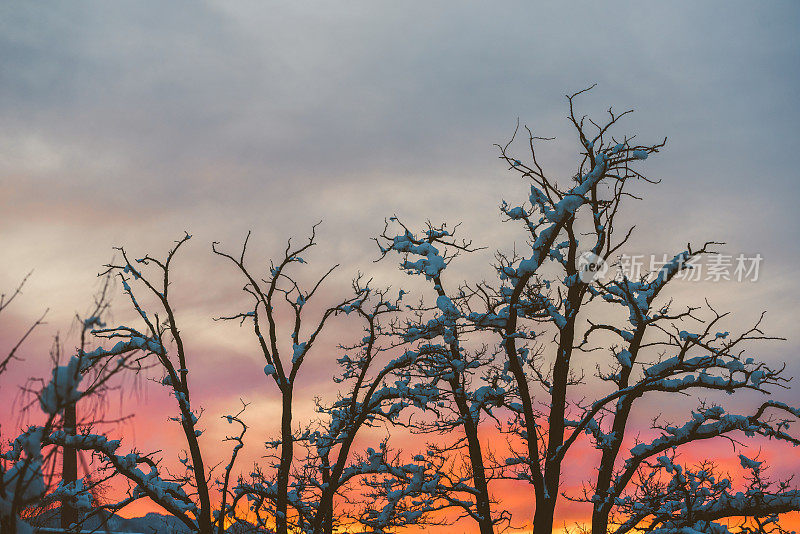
x=69, y=514
x=482, y=504
x=544, y=515
x=329, y=522
x=287, y=448
x=204, y=522
x=546, y=503
x=599, y=523
x=8, y=524
x=602, y=508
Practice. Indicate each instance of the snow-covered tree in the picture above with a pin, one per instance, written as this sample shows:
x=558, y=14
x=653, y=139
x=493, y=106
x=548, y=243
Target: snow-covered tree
x=329, y=466
x=374, y=392
x=465, y=362
x=305, y=501
x=548, y=306
x=157, y=344
x=439, y=333
x=671, y=498
x=21, y=477
x=24, y=482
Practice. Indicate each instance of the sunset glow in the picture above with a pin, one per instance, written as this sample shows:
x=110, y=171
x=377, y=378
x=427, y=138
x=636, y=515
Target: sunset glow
x=243, y=124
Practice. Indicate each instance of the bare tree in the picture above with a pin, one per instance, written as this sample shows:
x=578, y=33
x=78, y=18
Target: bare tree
x=449, y=367
x=308, y=485
x=672, y=498
x=69, y=513
x=158, y=344
x=280, y=287
x=487, y=356
x=23, y=480
x=548, y=304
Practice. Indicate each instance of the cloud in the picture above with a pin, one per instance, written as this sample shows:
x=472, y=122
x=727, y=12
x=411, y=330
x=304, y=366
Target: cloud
x=127, y=123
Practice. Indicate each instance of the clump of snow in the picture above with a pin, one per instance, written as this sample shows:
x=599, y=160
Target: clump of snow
x=63, y=388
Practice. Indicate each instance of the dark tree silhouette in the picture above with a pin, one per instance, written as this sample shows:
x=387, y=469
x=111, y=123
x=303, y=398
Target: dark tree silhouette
x=477, y=359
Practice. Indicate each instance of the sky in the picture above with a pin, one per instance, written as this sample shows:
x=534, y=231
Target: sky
x=128, y=123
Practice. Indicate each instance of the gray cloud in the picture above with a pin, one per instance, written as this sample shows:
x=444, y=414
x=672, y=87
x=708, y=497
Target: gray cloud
x=128, y=122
